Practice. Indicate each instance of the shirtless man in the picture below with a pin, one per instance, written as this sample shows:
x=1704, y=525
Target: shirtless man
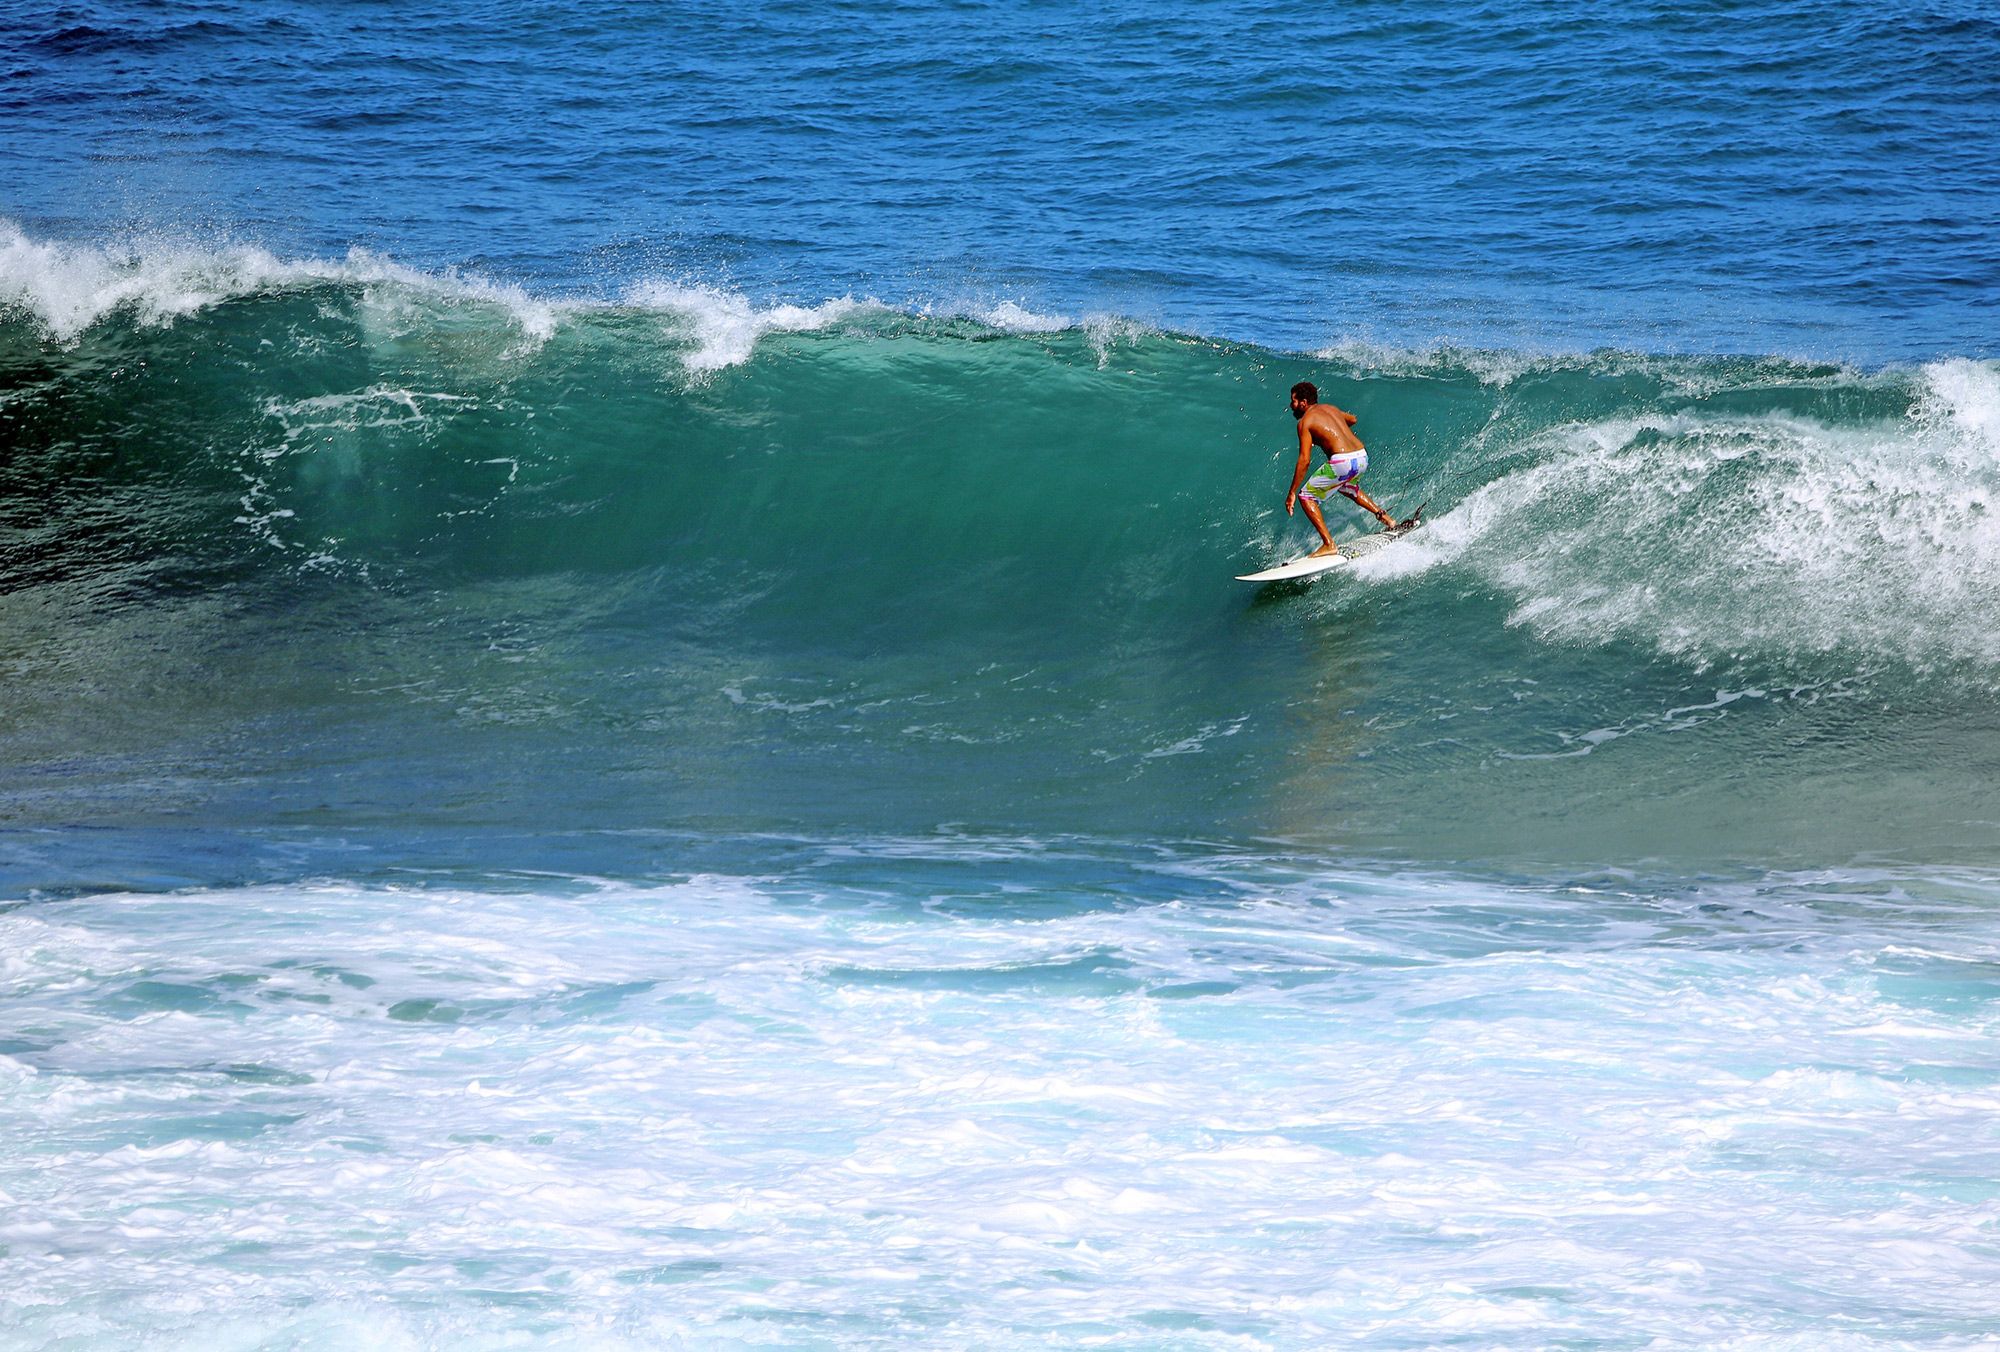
x=1332, y=430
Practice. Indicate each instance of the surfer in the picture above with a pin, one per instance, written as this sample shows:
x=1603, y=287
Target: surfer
x=1332, y=430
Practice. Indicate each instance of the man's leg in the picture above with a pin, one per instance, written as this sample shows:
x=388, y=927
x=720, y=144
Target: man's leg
x=1319, y=524
x=1353, y=493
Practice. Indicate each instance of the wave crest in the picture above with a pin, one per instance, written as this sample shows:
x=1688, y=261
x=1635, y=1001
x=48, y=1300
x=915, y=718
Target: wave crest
x=65, y=289
x=1713, y=536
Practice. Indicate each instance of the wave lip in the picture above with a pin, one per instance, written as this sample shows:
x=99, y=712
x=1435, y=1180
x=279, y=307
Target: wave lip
x=725, y=326
x=65, y=289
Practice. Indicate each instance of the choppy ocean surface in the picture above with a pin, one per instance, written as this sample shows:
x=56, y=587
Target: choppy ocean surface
x=623, y=718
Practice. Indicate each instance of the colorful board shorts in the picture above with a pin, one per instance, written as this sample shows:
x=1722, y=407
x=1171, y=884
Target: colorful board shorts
x=1338, y=472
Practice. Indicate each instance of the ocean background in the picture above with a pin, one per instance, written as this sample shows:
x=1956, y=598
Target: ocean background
x=624, y=719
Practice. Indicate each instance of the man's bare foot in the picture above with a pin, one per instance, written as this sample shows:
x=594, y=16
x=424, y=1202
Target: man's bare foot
x=1328, y=548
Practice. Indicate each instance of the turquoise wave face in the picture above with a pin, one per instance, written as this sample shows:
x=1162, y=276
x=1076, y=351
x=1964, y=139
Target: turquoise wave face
x=367, y=549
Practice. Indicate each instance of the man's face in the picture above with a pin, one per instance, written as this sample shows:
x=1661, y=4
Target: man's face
x=1299, y=407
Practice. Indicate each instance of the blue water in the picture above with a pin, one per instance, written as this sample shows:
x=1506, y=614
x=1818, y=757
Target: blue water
x=1762, y=177
x=623, y=718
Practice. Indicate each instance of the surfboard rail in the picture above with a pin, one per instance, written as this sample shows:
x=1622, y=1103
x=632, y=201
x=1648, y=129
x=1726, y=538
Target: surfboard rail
x=1301, y=567
x=1306, y=565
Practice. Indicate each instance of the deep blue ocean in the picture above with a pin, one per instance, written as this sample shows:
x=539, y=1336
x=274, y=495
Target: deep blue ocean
x=625, y=718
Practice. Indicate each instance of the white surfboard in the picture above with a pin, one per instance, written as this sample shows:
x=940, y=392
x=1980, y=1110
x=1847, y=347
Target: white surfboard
x=1305, y=567
x=1308, y=566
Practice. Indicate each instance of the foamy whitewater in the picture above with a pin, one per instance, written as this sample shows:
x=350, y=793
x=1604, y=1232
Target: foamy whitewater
x=624, y=718
x=773, y=1111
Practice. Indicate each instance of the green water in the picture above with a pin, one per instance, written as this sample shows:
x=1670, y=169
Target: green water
x=340, y=557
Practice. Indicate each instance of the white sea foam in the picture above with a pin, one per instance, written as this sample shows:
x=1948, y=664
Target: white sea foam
x=67, y=288
x=1496, y=368
x=1301, y=1110
x=1015, y=318
x=725, y=326
x=1714, y=535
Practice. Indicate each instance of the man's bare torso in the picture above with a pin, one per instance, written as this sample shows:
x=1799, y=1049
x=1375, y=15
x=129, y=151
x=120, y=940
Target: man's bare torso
x=1330, y=428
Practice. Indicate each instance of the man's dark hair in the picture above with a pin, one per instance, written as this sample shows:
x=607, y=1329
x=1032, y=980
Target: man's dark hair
x=1306, y=390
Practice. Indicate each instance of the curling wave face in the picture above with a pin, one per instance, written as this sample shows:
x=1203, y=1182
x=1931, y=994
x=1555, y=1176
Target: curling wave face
x=852, y=563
